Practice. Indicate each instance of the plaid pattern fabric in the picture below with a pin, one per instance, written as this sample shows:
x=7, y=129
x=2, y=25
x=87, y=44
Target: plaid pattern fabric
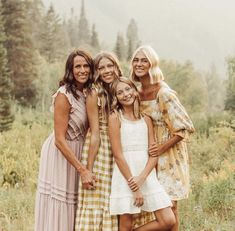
x=142, y=218
x=93, y=205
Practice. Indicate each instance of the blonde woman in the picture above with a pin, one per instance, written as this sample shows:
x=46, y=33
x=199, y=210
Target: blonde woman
x=171, y=124
x=93, y=207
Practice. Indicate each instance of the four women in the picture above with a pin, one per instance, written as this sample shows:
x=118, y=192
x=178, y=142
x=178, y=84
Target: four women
x=58, y=176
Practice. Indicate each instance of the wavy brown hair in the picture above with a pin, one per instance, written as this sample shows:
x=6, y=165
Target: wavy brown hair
x=116, y=106
x=69, y=80
x=103, y=89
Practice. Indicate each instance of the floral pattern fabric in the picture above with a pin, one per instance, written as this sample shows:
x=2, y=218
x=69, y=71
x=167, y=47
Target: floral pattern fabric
x=170, y=118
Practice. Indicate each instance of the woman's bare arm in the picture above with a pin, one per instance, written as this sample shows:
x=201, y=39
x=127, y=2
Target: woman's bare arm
x=115, y=140
x=93, y=118
x=61, y=118
x=137, y=181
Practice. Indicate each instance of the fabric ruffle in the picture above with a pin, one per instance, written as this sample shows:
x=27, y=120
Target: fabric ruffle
x=70, y=98
x=152, y=202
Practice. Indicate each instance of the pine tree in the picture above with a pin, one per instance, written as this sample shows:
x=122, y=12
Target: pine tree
x=230, y=92
x=20, y=51
x=94, y=39
x=72, y=29
x=215, y=91
x=83, y=27
x=6, y=116
x=120, y=47
x=53, y=38
x=132, y=38
x=35, y=12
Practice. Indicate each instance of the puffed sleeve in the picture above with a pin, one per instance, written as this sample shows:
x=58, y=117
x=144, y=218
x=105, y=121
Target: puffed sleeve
x=174, y=113
x=69, y=96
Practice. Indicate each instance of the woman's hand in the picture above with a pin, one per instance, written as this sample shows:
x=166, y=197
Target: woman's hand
x=155, y=150
x=88, y=179
x=139, y=199
x=135, y=182
x=158, y=149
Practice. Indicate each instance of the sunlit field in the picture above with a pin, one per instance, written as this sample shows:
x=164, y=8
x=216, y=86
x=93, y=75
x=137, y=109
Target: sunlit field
x=209, y=208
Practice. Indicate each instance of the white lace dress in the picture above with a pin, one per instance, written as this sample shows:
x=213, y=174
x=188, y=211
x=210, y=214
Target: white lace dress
x=134, y=139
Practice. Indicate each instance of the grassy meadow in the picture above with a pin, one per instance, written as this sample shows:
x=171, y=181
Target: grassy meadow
x=209, y=208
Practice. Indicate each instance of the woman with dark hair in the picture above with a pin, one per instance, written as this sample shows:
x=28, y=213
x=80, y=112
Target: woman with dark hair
x=56, y=199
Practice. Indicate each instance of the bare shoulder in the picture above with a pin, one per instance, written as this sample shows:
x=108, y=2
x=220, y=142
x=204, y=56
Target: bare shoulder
x=147, y=119
x=61, y=99
x=114, y=118
x=92, y=94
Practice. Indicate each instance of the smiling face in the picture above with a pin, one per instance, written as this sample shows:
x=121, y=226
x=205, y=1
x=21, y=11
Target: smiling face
x=140, y=65
x=81, y=70
x=125, y=94
x=106, y=70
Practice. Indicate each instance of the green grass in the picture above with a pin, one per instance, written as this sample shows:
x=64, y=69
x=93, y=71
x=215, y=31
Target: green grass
x=210, y=206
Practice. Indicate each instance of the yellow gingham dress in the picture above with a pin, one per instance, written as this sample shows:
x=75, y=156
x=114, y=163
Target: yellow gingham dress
x=170, y=118
x=93, y=205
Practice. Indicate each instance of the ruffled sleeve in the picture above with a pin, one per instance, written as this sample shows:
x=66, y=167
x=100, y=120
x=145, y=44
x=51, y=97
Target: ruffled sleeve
x=94, y=87
x=174, y=114
x=69, y=96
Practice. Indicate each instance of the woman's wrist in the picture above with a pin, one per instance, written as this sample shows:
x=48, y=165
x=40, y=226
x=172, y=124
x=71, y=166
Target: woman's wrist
x=132, y=184
x=82, y=169
x=90, y=166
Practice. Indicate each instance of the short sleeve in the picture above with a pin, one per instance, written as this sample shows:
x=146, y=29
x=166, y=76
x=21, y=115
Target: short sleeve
x=94, y=87
x=174, y=113
x=69, y=96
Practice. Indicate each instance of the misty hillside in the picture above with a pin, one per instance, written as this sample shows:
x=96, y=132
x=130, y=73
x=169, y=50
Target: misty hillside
x=201, y=31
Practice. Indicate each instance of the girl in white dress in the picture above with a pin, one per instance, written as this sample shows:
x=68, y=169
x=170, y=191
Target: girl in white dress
x=130, y=135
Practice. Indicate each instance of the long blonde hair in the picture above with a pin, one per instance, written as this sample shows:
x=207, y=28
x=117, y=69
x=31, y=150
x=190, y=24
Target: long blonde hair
x=155, y=72
x=103, y=90
x=116, y=107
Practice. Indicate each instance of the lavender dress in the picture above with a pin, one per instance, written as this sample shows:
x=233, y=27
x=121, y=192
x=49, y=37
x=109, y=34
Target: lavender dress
x=56, y=199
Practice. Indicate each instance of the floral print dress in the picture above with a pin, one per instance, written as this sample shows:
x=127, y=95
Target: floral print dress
x=170, y=118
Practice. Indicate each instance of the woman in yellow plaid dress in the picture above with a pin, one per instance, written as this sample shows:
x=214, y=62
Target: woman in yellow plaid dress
x=93, y=201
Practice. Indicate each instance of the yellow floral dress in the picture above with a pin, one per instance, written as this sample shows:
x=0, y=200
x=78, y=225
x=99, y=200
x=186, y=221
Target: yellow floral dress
x=170, y=118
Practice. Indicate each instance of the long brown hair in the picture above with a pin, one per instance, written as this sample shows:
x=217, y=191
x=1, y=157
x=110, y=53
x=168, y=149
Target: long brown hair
x=116, y=106
x=103, y=89
x=69, y=80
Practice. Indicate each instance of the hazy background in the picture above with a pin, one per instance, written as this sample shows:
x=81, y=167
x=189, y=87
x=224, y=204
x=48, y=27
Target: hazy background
x=201, y=31
x=34, y=44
